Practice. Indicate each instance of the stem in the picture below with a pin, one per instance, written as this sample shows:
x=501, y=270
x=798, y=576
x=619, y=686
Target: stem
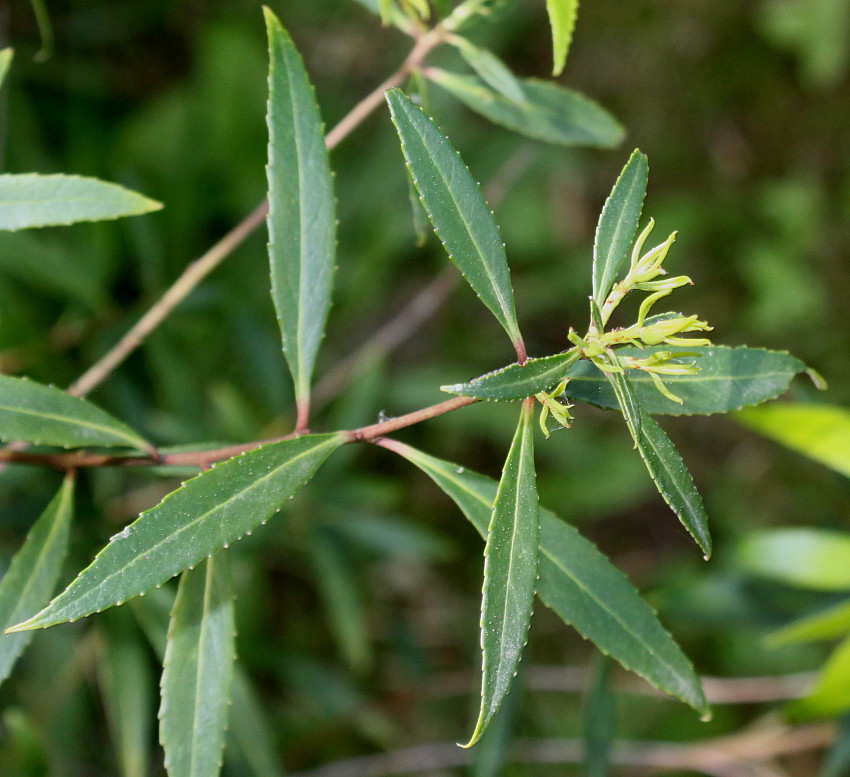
x=204, y=265
x=203, y=459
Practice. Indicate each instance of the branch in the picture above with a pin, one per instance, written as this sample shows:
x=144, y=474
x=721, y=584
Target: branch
x=204, y=265
x=205, y=458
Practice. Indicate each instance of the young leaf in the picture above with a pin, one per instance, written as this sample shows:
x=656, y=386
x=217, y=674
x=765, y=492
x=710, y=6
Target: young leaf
x=547, y=112
x=457, y=210
x=209, y=512
x=44, y=415
x=125, y=676
x=198, y=670
x=665, y=465
x=821, y=432
x=827, y=624
x=31, y=578
x=5, y=62
x=831, y=693
x=562, y=19
x=579, y=584
x=490, y=68
x=302, y=217
x=510, y=572
x=518, y=381
x=29, y=200
x=816, y=559
x=618, y=224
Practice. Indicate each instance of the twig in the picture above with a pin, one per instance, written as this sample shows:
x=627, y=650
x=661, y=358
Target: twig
x=204, y=458
x=203, y=266
x=721, y=757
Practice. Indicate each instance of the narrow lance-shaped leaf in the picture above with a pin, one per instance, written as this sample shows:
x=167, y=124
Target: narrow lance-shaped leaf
x=831, y=692
x=510, y=572
x=562, y=19
x=827, y=624
x=490, y=68
x=665, y=465
x=44, y=415
x=198, y=671
x=728, y=379
x=31, y=578
x=457, y=209
x=302, y=218
x=208, y=513
x=599, y=723
x=547, y=111
x=821, y=432
x=579, y=584
x=28, y=200
x=125, y=676
x=618, y=224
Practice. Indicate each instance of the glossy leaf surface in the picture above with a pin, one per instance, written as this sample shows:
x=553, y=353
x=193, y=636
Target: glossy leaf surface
x=562, y=19
x=198, y=670
x=821, y=432
x=618, y=224
x=456, y=207
x=580, y=584
x=665, y=465
x=510, y=572
x=29, y=200
x=806, y=558
x=207, y=513
x=302, y=213
x=31, y=578
x=728, y=379
x=44, y=415
x=548, y=112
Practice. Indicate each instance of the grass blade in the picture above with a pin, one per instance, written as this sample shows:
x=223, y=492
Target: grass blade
x=198, y=671
x=302, y=212
x=208, y=513
x=510, y=572
x=457, y=209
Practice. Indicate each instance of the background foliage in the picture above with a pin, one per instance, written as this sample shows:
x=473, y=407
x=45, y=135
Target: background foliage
x=741, y=108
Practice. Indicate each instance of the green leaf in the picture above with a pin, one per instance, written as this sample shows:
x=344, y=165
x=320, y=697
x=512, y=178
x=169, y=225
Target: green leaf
x=198, y=670
x=828, y=624
x=457, y=209
x=728, y=379
x=665, y=465
x=510, y=572
x=209, y=512
x=44, y=415
x=385, y=8
x=29, y=200
x=249, y=730
x=490, y=68
x=125, y=676
x=831, y=692
x=618, y=224
x=562, y=19
x=836, y=762
x=5, y=62
x=579, y=584
x=599, y=725
x=821, y=432
x=302, y=213
x=31, y=577
x=816, y=559
x=518, y=381
x=548, y=112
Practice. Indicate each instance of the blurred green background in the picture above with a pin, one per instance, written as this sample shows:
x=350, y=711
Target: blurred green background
x=358, y=612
